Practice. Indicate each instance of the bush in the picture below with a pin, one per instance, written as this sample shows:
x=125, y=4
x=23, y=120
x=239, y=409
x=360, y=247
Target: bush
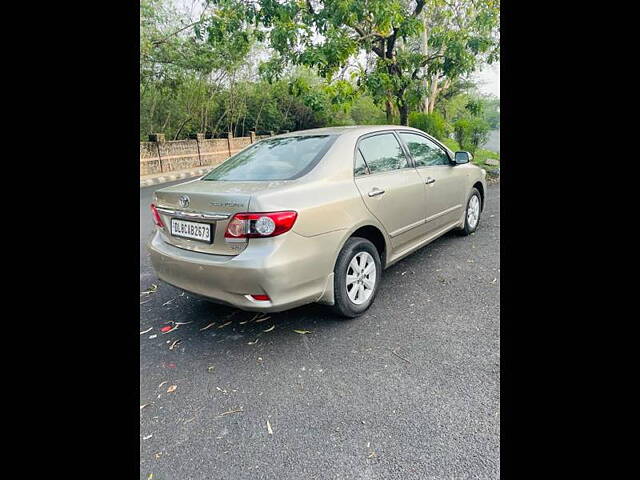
x=432, y=123
x=451, y=144
x=470, y=133
x=365, y=112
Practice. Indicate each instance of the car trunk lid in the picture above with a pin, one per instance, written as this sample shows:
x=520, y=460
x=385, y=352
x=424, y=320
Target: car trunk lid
x=205, y=202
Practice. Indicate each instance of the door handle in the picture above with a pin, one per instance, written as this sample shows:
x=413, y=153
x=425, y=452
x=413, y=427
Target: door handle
x=430, y=180
x=375, y=191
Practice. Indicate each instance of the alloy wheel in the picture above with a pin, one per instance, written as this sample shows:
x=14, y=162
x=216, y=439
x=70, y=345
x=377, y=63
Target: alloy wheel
x=361, y=278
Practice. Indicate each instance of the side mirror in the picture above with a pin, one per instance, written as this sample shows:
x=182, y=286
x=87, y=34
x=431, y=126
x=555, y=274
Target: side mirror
x=463, y=157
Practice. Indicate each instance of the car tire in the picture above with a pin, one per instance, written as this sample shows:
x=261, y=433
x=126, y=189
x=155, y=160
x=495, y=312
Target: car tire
x=356, y=252
x=474, y=204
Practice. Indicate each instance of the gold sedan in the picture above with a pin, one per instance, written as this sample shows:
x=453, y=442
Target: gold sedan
x=312, y=216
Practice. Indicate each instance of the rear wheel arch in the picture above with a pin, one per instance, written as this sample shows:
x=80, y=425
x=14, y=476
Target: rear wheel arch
x=375, y=236
x=371, y=232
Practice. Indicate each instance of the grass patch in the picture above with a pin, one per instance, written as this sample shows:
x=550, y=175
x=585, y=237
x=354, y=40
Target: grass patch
x=481, y=156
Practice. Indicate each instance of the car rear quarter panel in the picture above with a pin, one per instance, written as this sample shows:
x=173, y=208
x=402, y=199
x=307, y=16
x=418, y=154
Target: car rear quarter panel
x=326, y=199
x=322, y=206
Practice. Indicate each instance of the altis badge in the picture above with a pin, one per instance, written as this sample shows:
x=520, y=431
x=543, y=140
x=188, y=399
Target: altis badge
x=225, y=204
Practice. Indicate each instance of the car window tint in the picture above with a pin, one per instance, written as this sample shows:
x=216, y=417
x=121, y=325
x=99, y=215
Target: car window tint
x=281, y=158
x=424, y=152
x=383, y=153
x=361, y=165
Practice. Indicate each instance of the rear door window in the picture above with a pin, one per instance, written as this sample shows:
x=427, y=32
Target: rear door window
x=284, y=158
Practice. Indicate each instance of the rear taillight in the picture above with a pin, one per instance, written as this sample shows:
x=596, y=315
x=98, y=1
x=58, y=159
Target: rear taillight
x=156, y=216
x=258, y=225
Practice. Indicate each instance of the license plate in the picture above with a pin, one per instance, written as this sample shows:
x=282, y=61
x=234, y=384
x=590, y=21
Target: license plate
x=192, y=230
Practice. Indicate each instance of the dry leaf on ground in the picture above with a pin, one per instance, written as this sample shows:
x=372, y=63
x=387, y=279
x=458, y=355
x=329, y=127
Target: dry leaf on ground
x=210, y=325
x=400, y=356
x=172, y=388
x=302, y=332
x=147, y=330
x=149, y=290
x=269, y=428
x=231, y=411
x=269, y=329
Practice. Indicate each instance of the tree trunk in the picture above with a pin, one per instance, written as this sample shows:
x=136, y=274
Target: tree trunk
x=433, y=94
x=436, y=91
x=432, y=104
x=215, y=129
x=166, y=122
x=425, y=52
x=181, y=127
x=404, y=113
x=152, y=113
x=284, y=122
x=255, y=125
x=389, y=108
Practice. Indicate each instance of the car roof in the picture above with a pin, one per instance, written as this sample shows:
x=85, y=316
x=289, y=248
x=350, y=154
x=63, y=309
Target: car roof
x=357, y=129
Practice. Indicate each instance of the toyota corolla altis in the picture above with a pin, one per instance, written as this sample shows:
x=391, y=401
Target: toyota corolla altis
x=312, y=216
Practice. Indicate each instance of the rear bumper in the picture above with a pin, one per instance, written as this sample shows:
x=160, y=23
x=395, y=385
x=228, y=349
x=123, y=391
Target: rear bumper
x=291, y=269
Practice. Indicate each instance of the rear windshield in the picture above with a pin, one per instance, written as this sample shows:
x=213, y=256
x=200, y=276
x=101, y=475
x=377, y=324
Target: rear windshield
x=283, y=158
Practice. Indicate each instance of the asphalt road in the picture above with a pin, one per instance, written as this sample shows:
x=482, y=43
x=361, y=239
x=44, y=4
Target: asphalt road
x=408, y=391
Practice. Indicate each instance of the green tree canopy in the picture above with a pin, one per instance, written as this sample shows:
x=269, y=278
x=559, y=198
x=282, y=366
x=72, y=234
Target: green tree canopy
x=328, y=34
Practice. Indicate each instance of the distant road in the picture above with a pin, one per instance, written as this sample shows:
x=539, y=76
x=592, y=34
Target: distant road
x=494, y=141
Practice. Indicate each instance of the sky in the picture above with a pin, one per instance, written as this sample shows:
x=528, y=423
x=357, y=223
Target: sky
x=489, y=79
